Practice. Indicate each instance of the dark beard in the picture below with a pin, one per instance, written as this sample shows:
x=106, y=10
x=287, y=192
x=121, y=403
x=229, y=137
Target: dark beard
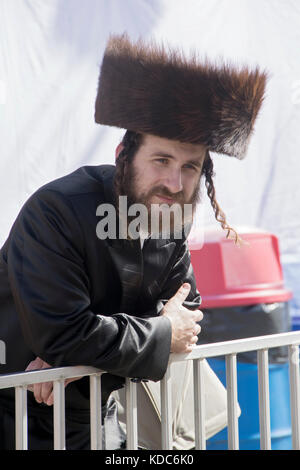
x=128, y=188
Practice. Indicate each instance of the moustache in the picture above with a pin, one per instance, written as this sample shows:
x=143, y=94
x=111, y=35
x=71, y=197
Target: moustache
x=163, y=191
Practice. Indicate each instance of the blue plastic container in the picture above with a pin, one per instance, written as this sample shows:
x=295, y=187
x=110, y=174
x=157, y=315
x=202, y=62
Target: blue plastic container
x=295, y=323
x=280, y=416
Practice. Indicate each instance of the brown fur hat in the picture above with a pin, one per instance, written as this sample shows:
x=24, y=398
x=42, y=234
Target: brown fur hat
x=152, y=89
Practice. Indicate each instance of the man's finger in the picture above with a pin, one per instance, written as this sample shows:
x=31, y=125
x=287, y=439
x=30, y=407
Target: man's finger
x=42, y=391
x=37, y=363
x=46, y=390
x=197, y=329
x=194, y=340
x=50, y=400
x=198, y=315
x=37, y=391
x=182, y=293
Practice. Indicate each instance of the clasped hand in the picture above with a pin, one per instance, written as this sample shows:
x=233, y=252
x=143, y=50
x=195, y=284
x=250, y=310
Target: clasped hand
x=43, y=392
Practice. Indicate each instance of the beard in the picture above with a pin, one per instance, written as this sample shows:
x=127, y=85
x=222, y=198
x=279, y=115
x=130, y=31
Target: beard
x=159, y=220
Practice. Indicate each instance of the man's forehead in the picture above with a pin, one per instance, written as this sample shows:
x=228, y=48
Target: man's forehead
x=160, y=144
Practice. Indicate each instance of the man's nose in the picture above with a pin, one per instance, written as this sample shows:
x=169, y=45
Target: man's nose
x=173, y=181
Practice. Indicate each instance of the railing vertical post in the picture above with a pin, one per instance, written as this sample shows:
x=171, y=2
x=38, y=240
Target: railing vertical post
x=2, y=352
x=199, y=404
x=294, y=394
x=131, y=415
x=21, y=417
x=166, y=410
x=264, y=399
x=95, y=406
x=232, y=402
x=59, y=415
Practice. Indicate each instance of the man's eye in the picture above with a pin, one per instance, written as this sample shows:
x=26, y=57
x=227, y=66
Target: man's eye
x=190, y=167
x=164, y=161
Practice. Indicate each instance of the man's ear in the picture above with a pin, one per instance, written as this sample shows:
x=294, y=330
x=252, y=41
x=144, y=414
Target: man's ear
x=119, y=149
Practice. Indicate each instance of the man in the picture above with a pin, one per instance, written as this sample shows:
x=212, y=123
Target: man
x=71, y=295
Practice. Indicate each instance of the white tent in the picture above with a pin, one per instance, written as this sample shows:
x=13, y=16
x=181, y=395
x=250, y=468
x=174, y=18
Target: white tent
x=50, y=52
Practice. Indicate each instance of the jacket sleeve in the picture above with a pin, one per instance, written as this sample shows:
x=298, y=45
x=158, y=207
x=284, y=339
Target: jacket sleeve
x=182, y=271
x=50, y=287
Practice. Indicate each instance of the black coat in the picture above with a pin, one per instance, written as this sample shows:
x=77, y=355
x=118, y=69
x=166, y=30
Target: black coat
x=73, y=299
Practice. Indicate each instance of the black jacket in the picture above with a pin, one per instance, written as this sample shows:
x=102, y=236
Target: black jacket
x=73, y=299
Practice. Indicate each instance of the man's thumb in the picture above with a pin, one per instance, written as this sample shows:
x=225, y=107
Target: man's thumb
x=182, y=292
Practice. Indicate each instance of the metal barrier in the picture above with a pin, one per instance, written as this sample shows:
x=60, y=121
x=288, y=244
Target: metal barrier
x=229, y=349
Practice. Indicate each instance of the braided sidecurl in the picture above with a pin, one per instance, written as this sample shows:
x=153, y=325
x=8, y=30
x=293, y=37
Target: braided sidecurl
x=131, y=143
x=208, y=172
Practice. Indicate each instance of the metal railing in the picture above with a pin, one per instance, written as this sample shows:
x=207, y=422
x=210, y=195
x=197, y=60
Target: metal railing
x=229, y=349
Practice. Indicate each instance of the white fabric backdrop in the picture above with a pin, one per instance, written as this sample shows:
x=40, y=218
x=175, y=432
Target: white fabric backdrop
x=50, y=52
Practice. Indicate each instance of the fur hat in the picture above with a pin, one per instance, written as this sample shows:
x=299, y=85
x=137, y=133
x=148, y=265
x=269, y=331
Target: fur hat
x=152, y=89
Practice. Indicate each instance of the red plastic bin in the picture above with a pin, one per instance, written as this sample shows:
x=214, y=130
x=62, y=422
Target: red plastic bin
x=230, y=275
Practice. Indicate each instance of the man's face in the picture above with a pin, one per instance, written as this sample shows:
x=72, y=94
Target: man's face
x=164, y=171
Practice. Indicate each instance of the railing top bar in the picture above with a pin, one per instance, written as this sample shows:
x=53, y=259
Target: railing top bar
x=204, y=351
x=239, y=345
x=45, y=375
